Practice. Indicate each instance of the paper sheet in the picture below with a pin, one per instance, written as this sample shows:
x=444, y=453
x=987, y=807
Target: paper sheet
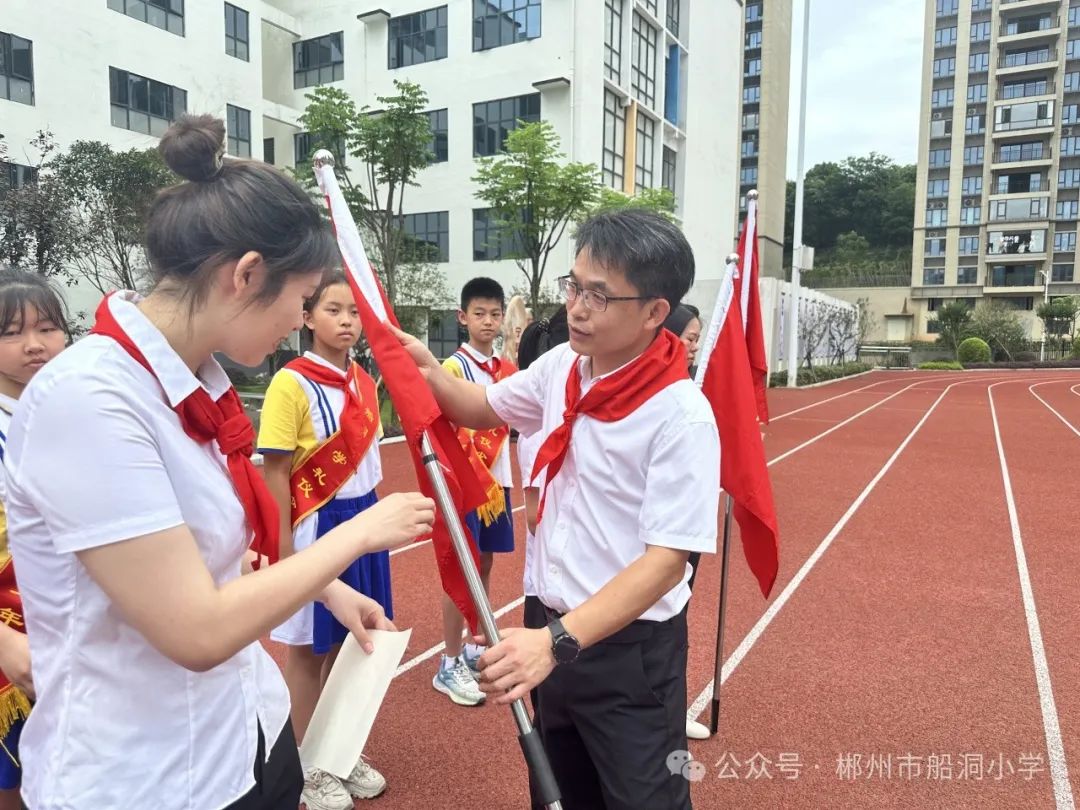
x=350, y=700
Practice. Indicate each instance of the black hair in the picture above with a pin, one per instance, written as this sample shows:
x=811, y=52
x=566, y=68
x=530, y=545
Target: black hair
x=481, y=287
x=330, y=278
x=693, y=310
x=648, y=249
x=541, y=336
x=680, y=318
x=226, y=209
x=20, y=289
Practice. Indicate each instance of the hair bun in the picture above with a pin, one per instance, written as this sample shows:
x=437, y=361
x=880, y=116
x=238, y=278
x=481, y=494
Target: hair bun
x=193, y=147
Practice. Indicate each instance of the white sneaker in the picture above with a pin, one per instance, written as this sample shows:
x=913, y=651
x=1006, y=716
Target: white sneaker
x=364, y=782
x=458, y=683
x=324, y=791
x=696, y=731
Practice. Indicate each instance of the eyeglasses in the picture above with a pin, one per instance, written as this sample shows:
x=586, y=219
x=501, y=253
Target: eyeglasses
x=596, y=301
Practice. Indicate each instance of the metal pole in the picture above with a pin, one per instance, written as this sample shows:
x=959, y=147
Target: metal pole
x=1046, y=300
x=800, y=182
x=718, y=664
x=531, y=745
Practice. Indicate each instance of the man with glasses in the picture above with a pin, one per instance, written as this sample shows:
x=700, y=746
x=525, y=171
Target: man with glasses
x=629, y=478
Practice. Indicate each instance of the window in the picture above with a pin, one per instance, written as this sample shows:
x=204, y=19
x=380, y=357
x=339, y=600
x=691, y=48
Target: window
x=236, y=32
x=975, y=124
x=143, y=105
x=651, y=6
x=487, y=244
x=1065, y=241
x=16, y=69
x=445, y=334
x=1027, y=25
x=165, y=14
x=669, y=166
x=15, y=175
x=748, y=175
x=935, y=247
x=969, y=245
x=1072, y=82
x=439, y=145
x=1070, y=146
x=673, y=14
x=940, y=157
x=937, y=188
x=646, y=148
x=1074, y=16
x=613, y=39
x=944, y=67
x=752, y=94
x=1013, y=152
x=941, y=127
x=947, y=8
x=976, y=93
x=504, y=22
x=494, y=120
x=1069, y=178
x=971, y=184
x=1067, y=209
x=970, y=214
x=1023, y=89
x=1034, y=56
x=268, y=151
x=752, y=67
x=980, y=5
x=1072, y=49
x=417, y=38
x=428, y=236
x=751, y=120
x=937, y=217
x=1061, y=272
x=753, y=12
x=1019, y=183
x=614, y=141
x=973, y=155
x=643, y=62
x=749, y=146
x=933, y=276
x=1070, y=114
x=305, y=144
x=1024, y=116
x=318, y=61
x=979, y=62
x=942, y=97
x=943, y=37
x=967, y=275
x=753, y=40
x=238, y=127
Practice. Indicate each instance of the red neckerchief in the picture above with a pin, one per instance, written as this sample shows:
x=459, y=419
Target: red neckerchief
x=203, y=419
x=613, y=398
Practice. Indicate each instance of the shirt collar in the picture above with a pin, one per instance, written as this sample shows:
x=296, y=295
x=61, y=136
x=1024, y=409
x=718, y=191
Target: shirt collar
x=474, y=354
x=173, y=375
x=322, y=361
x=7, y=404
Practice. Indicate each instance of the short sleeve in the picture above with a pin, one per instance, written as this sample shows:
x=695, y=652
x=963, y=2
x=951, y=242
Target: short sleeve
x=518, y=400
x=283, y=413
x=89, y=465
x=680, y=509
x=453, y=365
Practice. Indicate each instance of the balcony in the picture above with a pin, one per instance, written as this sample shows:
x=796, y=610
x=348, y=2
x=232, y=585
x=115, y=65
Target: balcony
x=1019, y=246
x=1023, y=125
x=1035, y=154
x=1024, y=30
x=1024, y=209
x=1011, y=278
x=1027, y=61
x=1028, y=5
x=1036, y=89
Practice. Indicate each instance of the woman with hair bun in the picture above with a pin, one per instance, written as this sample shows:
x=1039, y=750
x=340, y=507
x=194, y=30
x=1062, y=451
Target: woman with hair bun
x=133, y=503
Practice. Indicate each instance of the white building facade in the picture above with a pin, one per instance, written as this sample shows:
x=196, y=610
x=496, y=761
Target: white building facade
x=648, y=90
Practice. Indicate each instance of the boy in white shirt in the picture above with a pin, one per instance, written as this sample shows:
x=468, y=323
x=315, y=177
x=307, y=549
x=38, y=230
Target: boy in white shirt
x=619, y=515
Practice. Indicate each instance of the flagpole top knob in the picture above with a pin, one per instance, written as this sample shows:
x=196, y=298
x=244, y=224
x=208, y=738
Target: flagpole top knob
x=752, y=194
x=322, y=157
x=733, y=258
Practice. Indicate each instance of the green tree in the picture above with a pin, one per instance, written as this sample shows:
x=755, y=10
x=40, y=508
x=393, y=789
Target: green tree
x=659, y=200
x=533, y=195
x=1060, y=315
x=111, y=193
x=1000, y=327
x=954, y=323
x=392, y=145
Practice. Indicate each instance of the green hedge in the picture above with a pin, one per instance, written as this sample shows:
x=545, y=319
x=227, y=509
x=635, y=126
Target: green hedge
x=1076, y=347
x=941, y=365
x=973, y=350
x=817, y=374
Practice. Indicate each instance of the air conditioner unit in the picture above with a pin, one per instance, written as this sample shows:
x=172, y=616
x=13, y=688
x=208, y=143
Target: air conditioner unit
x=940, y=205
x=1067, y=131
x=938, y=116
x=973, y=111
x=970, y=203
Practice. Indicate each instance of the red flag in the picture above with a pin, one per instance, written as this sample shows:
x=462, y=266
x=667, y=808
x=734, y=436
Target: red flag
x=726, y=382
x=746, y=291
x=415, y=404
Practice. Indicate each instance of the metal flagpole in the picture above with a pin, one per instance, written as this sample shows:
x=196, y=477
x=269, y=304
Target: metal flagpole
x=792, y=357
x=531, y=745
x=711, y=336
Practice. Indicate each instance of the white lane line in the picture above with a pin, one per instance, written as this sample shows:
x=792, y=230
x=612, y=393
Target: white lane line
x=438, y=648
x=1073, y=390
x=423, y=543
x=736, y=657
x=1059, y=772
x=823, y=401
x=1066, y=422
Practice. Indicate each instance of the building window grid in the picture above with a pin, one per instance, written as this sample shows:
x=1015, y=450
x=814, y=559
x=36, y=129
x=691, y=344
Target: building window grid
x=977, y=93
x=945, y=67
x=1024, y=89
x=318, y=61
x=942, y=97
x=168, y=15
x=975, y=124
x=967, y=275
x=1067, y=209
x=507, y=22
x=968, y=245
x=752, y=94
x=1068, y=178
x=937, y=188
x=979, y=62
x=1065, y=242
x=752, y=66
x=613, y=39
x=669, y=169
x=1072, y=49
x=414, y=39
x=970, y=214
x=646, y=148
x=438, y=120
x=236, y=32
x=947, y=8
x=1032, y=56
x=1071, y=82
x=753, y=12
x=980, y=5
x=429, y=235
x=614, y=141
x=143, y=105
x=973, y=155
x=488, y=243
x=748, y=175
x=971, y=185
x=940, y=157
x=944, y=37
x=753, y=40
x=16, y=69
x=1061, y=273
x=937, y=217
x=934, y=247
x=238, y=127
x=643, y=61
x=674, y=15
x=1074, y=16
x=1070, y=146
x=494, y=120
x=933, y=276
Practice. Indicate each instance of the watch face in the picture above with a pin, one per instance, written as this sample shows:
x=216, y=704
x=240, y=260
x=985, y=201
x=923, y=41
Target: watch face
x=566, y=650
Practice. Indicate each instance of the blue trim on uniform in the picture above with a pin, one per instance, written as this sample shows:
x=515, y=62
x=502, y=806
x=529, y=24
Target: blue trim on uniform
x=3, y=445
x=274, y=451
x=498, y=538
x=329, y=410
x=10, y=769
x=318, y=401
x=463, y=361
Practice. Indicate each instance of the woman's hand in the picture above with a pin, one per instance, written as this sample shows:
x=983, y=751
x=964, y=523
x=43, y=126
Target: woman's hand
x=15, y=660
x=394, y=521
x=357, y=612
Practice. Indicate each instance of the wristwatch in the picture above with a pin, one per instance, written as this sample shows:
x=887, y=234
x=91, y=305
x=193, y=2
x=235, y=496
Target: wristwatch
x=563, y=645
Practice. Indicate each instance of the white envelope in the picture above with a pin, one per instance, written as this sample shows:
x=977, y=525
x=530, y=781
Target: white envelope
x=350, y=700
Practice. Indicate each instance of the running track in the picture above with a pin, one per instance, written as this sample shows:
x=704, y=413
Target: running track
x=919, y=649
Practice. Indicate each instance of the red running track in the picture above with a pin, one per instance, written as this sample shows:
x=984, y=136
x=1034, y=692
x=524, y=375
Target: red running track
x=916, y=651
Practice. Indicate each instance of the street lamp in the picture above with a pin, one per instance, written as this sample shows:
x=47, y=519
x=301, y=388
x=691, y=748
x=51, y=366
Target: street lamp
x=799, y=251
x=1046, y=322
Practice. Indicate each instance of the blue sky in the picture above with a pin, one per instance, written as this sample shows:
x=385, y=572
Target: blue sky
x=864, y=79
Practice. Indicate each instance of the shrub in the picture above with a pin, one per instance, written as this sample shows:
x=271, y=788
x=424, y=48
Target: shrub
x=1076, y=347
x=941, y=365
x=973, y=350
x=1025, y=357
x=817, y=374
x=1074, y=363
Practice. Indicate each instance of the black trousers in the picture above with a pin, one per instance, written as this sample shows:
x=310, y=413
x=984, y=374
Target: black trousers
x=278, y=781
x=610, y=719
